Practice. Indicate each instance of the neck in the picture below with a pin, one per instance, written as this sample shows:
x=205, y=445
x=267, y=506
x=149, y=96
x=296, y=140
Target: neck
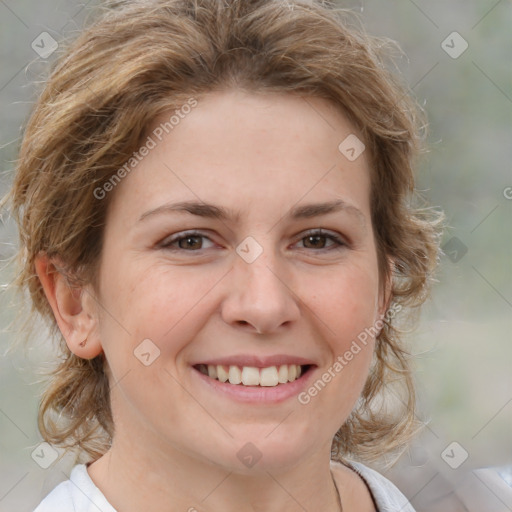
x=192, y=484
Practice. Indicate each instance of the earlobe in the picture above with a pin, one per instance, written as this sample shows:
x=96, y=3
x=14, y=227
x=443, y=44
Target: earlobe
x=73, y=308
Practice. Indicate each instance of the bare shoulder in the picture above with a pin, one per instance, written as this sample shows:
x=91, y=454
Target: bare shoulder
x=355, y=495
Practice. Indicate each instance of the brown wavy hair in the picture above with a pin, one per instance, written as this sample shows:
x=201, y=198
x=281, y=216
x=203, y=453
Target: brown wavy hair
x=139, y=59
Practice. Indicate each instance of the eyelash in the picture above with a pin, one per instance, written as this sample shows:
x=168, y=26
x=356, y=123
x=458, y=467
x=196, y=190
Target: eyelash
x=167, y=243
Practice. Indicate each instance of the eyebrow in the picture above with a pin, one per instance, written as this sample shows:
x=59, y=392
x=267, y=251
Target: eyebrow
x=218, y=212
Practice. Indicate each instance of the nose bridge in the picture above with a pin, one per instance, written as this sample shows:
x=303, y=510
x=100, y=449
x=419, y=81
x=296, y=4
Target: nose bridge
x=261, y=276
x=259, y=294
x=258, y=267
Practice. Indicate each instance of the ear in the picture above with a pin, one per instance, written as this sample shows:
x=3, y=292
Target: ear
x=74, y=309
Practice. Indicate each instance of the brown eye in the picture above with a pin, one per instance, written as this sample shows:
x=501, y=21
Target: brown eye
x=190, y=242
x=315, y=241
x=318, y=240
x=184, y=241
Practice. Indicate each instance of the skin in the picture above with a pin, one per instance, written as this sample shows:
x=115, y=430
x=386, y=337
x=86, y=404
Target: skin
x=176, y=440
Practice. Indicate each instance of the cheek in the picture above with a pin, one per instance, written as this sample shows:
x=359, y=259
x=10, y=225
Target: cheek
x=347, y=309
x=347, y=303
x=158, y=303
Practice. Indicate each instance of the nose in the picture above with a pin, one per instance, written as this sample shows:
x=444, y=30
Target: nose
x=260, y=295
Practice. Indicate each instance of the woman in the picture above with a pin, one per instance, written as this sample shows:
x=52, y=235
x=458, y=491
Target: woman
x=214, y=203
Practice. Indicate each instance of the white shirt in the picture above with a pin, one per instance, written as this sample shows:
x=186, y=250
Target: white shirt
x=79, y=494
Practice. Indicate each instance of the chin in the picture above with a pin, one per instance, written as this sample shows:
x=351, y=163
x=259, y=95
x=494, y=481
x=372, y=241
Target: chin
x=272, y=453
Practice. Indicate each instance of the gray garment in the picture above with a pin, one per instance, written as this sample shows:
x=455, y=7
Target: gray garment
x=79, y=494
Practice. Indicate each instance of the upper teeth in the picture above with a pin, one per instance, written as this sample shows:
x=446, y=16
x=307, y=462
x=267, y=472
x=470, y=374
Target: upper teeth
x=252, y=376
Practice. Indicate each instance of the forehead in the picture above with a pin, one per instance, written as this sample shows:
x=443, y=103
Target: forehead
x=247, y=151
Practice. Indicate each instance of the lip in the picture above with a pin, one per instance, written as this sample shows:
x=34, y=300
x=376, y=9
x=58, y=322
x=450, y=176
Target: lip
x=256, y=394
x=257, y=361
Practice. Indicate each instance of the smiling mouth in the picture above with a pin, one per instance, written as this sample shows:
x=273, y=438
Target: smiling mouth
x=251, y=376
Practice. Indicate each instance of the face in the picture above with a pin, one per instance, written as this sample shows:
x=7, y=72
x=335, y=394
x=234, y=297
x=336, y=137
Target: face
x=248, y=283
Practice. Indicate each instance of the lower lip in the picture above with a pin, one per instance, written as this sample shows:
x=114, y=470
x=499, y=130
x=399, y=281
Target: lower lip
x=258, y=394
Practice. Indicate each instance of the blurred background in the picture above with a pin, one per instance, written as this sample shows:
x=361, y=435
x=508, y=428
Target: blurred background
x=458, y=63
